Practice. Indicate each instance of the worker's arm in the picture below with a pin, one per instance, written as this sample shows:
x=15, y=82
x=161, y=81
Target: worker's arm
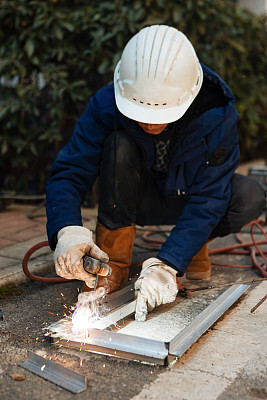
x=207, y=198
x=77, y=165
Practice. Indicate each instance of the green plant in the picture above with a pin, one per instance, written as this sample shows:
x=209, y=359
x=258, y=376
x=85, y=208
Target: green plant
x=55, y=53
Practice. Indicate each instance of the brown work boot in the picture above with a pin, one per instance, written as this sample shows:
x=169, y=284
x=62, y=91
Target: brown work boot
x=200, y=266
x=118, y=244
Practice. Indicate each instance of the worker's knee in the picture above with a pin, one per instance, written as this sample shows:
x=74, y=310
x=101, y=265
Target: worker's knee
x=248, y=197
x=246, y=204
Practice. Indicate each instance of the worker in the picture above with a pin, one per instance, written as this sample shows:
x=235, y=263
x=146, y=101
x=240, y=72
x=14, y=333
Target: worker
x=163, y=140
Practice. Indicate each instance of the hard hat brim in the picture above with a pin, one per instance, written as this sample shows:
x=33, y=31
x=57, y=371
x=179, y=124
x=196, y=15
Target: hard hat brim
x=147, y=114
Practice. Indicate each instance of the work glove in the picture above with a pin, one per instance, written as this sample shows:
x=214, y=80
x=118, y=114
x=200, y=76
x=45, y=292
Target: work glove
x=156, y=285
x=74, y=242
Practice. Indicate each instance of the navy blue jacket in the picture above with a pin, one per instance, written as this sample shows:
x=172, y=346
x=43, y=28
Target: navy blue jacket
x=201, y=167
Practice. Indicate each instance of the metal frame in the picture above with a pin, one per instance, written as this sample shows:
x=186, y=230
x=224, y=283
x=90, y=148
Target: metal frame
x=153, y=351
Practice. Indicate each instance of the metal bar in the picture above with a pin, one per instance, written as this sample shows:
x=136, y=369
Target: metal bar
x=116, y=353
x=117, y=344
x=116, y=316
x=189, y=335
x=258, y=304
x=111, y=301
x=53, y=372
x=120, y=297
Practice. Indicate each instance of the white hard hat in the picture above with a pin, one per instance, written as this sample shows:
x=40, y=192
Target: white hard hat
x=158, y=76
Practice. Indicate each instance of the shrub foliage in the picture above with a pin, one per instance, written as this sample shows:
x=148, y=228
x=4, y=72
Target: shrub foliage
x=55, y=53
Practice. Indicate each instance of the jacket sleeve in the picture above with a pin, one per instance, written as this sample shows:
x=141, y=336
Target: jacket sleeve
x=77, y=165
x=207, y=199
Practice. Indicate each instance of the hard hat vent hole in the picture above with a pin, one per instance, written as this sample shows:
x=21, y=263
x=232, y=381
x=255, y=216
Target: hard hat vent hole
x=149, y=104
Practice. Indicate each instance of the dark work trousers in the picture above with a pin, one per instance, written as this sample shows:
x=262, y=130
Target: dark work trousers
x=128, y=193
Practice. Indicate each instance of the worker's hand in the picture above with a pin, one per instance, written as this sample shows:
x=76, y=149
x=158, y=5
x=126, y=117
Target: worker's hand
x=156, y=285
x=74, y=242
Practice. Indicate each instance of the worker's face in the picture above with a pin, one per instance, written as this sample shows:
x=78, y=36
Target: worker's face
x=153, y=129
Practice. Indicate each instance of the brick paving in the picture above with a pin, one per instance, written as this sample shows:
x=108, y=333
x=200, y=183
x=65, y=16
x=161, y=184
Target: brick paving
x=16, y=227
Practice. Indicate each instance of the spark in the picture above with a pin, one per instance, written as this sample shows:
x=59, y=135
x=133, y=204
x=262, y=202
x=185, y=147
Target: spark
x=81, y=362
x=87, y=311
x=64, y=305
x=62, y=294
x=42, y=367
x=104, y=365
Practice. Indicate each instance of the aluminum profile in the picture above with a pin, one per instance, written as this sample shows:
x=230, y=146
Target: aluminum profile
x=120, y=297
x=189, y=335
x=118, y=345
x=53, y=372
